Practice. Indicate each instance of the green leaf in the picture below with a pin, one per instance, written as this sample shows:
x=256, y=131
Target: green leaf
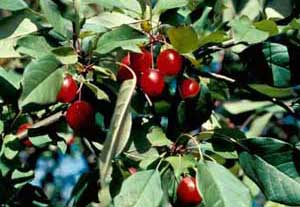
x=221, y=132
x=1, y=127
x=267, y=26
x=87, y=183
x=158, y=138
x=104, y=73
x=19, y=174
x=42, y=81
x=131, y=5
x=8, y=49
x=277, y=57
x=162, y=107
x=10, y=153
x=40, y=141
x=35, y=46
x=105, y=3
x=118, y=134
x=233, y=8
x=24, y=28
x=164, y=5
x=169, y=185
x=148, y=158
x=278, y=9
x=209, y=149
x=251, y=185
x=62, y=146
x=181, y=164
x=9, y=83
x=220, y=188
x=141, y=189
x=294, y=24
x=10, y=24
x=274, y=92
x=20, y=178
x=201, y=24
x=66, y=55
x=219, y=90
x=10, y=35
x=183, y=38
x=100, y=94
x=54, y=17
x=244, y=31
x=272, y=204
x=221, y=141
x=275, y=185
x=107, y=20
x=258, y=125
x=249, y=8
x=8, y=148
x=242, y=106
x=140, y=148
x=213, y=38
x=123, y=37
x=13, y=5
x=280, y=154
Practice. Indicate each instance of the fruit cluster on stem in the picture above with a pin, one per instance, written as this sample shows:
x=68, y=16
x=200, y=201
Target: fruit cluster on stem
x=150, y=79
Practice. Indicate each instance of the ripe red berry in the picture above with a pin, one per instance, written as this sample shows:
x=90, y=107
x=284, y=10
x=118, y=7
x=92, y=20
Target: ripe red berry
x=152, y=82
x=80, y=115
x=141, y=62
x=169, y=62
x=21, y=129
x=189, y=88
x=68, y=90
x=124, y=73
x=187, y=192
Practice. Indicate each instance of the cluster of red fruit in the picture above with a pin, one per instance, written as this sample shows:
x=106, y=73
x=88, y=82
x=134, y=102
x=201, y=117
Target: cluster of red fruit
x=79, y=116
x=150, y=80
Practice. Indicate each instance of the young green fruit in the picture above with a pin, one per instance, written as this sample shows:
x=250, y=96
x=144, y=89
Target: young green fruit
x=21, y=129
x=80, y=115
x=187, y=192
x=68, y=90
x=169, y=62
x=189, y=88
x=152, y=82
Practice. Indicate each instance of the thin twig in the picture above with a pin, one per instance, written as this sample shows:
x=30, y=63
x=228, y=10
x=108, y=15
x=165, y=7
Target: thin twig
x=196, y=143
